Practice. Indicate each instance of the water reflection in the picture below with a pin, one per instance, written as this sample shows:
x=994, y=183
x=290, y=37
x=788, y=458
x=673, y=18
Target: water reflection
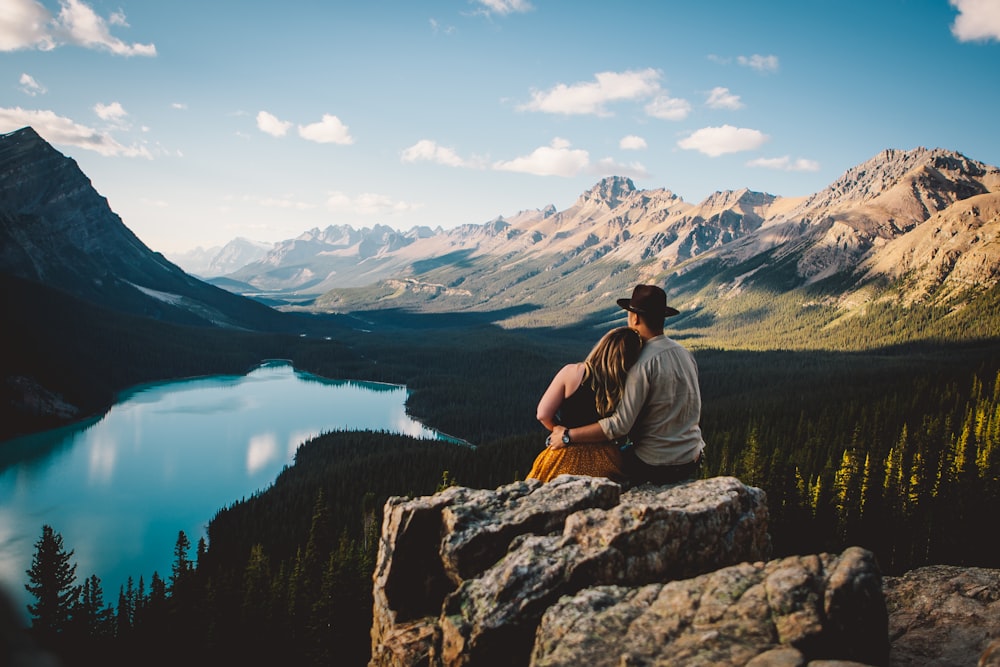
x=165, y=458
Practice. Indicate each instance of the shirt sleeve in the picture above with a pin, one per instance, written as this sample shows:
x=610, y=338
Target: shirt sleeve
x=620, y=422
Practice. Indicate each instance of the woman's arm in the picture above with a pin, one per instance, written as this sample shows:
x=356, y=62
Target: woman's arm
x=563, y=384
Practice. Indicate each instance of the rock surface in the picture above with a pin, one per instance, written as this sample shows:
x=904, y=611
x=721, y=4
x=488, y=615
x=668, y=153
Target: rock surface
x=651, y=535
x=944, y=616
x=579, y=572
x=464, y=577
x=774, y=613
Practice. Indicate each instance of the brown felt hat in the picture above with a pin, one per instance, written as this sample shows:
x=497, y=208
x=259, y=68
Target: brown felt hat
x=648, y=300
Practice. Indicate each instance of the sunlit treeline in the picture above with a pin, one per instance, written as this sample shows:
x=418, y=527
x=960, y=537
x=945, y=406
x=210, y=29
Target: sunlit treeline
x=915, y=476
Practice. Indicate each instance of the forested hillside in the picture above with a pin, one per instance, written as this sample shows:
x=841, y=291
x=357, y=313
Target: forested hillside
x=893, y=448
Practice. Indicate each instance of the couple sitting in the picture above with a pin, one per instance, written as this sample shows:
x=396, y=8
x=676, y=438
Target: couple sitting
x=636, y=385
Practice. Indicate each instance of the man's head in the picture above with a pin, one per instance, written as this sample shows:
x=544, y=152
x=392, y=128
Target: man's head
x=647, y=309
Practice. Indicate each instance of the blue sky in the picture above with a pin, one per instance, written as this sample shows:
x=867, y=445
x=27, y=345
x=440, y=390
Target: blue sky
x=204, y=121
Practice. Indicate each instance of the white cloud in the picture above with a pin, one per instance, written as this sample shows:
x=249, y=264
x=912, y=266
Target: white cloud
x=27, y=24
x=716, y=141
x=24, y=24
x=83, y=27
x=785, y=163
x=330, y=130
x=31, y=87
x=632, y=143
x=437, y=27
x=112, y=113
x=368, y=204
x=556, y=159
x=427, y=150
x=271, y=124
x=180, y=106
x=285, y=203
x=60, y=130
x=721, y=98
x=505, y=7
x=591, y=97
x=759, y=62
x=665, y=107
x=609, y=167
x=977, y=20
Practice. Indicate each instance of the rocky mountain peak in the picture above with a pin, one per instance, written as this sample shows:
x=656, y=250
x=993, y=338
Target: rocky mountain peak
x=611, y=191
x=24, y=138
x=877, y=176
x=743, y=199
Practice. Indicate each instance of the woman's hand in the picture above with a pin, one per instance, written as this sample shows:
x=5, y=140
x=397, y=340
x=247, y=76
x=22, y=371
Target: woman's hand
x=555, y=439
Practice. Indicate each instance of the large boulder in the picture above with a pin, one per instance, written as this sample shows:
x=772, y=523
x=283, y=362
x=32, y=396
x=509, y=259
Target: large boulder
x=464, y=577
x=579, y=572
x=797, y=609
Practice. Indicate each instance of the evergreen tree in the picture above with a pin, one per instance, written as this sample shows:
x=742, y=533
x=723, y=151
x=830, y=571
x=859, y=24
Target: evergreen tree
x=91, y=618
x=181, y=566
x=123, y=620
x=53, y=583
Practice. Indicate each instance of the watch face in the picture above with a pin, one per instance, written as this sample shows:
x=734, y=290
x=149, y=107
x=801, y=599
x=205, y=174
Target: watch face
x=565, y=438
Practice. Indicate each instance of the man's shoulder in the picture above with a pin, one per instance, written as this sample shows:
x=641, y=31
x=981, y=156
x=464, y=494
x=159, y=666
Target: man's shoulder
x=661, y=344
x=663, y=347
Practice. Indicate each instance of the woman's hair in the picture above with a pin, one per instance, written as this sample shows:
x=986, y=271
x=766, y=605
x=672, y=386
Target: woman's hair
x=608, y=363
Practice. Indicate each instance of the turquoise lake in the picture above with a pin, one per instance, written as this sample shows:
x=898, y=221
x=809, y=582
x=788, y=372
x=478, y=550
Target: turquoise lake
x=165, y=458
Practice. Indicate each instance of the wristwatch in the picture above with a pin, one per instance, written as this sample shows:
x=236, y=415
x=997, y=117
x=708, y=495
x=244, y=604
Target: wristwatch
x=565, y=437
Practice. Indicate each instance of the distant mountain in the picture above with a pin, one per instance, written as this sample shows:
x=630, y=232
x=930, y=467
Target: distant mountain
x=197, y=260
x=850, y=222
x=338, y=256
x=612, y=218
x=220, y=260
x=55, y=229
x=905, y=227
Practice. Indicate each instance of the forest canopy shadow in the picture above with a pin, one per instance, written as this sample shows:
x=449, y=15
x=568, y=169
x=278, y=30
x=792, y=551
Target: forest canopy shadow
x=458, y=259
x=402, y=318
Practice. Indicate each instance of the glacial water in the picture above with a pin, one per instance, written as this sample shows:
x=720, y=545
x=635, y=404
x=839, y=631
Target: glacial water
x=164, y=459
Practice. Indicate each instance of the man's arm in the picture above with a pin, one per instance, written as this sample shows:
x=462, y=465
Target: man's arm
x=579, y=434
x=619, y=423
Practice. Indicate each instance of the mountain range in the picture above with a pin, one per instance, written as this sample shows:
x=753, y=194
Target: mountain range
x=905, y=227
x=220, y=260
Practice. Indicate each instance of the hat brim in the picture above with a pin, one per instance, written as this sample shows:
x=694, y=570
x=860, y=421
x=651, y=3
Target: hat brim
x=626, y=304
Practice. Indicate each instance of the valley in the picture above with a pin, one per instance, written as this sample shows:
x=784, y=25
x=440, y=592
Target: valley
x=847, y=345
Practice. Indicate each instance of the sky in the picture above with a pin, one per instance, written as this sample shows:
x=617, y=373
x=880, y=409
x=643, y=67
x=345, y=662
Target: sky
x=205, y=121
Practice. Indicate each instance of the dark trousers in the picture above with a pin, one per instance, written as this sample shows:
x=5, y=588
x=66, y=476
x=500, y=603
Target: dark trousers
x=640, y=472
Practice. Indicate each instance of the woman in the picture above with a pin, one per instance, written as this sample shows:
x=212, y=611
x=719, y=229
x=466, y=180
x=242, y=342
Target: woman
x=582, y=393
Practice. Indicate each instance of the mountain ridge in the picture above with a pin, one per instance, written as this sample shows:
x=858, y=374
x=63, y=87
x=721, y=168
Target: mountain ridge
x=904, y=227
x=658, y=236
x=56, y=229
x=839, y=233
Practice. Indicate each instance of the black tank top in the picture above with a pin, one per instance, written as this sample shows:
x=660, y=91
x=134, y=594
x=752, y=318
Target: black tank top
x=580, y=408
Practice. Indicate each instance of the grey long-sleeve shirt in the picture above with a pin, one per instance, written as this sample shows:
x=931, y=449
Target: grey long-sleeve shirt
x=661, y=405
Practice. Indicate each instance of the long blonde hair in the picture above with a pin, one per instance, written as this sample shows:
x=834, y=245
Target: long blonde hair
x=607, y=365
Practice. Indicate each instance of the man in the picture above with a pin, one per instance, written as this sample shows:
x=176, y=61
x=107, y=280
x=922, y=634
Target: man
x=661, y=404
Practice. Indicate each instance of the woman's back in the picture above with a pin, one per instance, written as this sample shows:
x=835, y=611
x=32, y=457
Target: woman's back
x=579, y=408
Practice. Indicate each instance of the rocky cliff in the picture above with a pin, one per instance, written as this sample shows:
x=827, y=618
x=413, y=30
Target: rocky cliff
x=56, y=230
x=582, y=572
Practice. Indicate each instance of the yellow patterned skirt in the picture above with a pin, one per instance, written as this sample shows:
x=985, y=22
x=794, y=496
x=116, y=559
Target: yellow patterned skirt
x=595, y=460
